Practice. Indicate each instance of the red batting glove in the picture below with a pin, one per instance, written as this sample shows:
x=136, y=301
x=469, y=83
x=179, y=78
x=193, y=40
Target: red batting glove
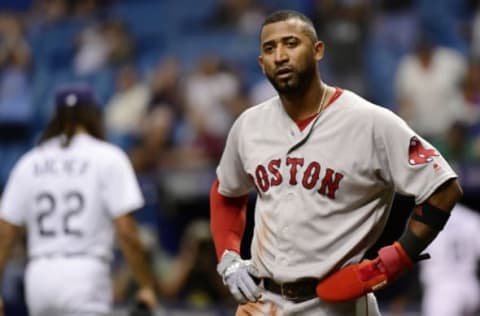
x=370, y=275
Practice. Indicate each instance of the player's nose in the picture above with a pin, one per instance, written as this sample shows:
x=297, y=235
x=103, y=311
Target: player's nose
x=280, y=55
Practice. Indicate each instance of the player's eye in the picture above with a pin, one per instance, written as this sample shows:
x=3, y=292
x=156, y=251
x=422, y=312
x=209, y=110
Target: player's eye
x=268, y=49
x=292, y=43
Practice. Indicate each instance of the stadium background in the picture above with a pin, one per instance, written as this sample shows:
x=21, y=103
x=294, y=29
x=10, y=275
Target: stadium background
x=171, y=76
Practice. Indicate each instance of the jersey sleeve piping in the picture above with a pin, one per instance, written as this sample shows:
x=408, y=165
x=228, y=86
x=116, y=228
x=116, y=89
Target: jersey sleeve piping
x=128, y=209
x=231, y=194
x=435, y=185
x=9, y=219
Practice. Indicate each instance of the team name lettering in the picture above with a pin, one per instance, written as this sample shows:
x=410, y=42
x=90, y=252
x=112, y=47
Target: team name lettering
x=298, y=172
x=71, y=167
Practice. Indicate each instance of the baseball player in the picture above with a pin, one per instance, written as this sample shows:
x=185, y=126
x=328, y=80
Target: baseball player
x=450, y=284
x=71, y=192
x=325, y=164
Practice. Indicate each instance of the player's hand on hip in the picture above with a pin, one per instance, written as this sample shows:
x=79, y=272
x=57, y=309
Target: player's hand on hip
x=239, y=275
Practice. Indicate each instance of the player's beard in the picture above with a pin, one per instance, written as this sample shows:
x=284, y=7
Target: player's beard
x=297, y=83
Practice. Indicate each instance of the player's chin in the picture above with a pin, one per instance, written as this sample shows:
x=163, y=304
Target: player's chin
x=287, y=87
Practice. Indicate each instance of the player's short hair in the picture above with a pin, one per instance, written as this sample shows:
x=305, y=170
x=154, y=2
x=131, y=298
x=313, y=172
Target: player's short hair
x=284, y=15
x=74, y=106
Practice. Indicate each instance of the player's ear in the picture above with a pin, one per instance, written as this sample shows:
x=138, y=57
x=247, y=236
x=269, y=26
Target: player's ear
x=260, y=62
x=319, y=48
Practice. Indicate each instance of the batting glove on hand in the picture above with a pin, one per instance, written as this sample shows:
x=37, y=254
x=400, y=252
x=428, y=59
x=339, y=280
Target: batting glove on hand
x=238, y=275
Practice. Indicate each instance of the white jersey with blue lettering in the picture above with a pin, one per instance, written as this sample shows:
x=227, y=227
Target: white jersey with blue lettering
x=68, y=197
x=324, y=193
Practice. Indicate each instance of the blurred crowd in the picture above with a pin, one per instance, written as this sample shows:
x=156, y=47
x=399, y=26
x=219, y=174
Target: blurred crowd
x=172, y=75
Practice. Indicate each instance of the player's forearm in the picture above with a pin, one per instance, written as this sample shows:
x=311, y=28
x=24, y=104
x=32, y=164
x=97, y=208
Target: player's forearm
x=8, y=234
x=136, y=258
x=134, y=251
x=428, y=220
x=444, y=199
x=227, y=220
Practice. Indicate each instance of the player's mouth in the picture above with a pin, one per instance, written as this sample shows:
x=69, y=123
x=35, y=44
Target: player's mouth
x=284, y=72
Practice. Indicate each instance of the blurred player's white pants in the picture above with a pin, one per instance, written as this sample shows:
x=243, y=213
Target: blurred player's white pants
x=275, y=305
x=73, y=286
x=455, y=298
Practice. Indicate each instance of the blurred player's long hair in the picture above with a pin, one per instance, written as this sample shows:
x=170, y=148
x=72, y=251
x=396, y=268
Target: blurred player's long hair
x=66, y=120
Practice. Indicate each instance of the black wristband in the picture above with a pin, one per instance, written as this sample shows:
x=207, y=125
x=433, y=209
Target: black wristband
x=430, y=215
x=412, y=244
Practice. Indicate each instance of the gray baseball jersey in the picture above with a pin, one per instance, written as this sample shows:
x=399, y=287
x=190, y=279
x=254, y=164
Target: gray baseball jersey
x=324, y=193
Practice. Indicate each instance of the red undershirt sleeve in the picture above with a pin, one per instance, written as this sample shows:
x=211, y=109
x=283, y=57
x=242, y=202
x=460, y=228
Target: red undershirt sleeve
x=227, y=220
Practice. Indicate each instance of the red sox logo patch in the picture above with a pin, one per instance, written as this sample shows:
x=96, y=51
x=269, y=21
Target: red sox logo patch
x=417, y=154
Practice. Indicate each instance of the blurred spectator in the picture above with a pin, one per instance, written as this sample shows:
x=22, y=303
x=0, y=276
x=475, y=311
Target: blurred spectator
x=210, y=89
x=15, y=91
x=165, y=85
x=128, y=106
x=443, y=21
x=188, y=279
x=47, y=12
x=121, y=44
x=92, y=50
x=467, y=103
x=449, y=278
x=457, y=146
x=386, y=45
x=244, y=16
x=343, y=26
x=86, y=8
x=14, y=49
x=471, y=92
x=424, y=91
x=104, y=44
x=390, y=17
x=261, y=91
x=147, y=155
x=191, y=278
x=475, y=34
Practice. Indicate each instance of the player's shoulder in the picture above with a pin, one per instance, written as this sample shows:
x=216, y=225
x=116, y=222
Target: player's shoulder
x=351, y=101
x=375, y=117
x=26, y=159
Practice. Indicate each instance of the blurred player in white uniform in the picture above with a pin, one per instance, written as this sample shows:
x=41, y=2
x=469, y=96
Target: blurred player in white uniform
x=71, y=193
x=325, y=164
x=450, y=283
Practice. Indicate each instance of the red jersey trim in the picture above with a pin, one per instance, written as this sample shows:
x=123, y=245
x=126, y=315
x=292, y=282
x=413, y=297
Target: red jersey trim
x=338, y=92
x=304, y=123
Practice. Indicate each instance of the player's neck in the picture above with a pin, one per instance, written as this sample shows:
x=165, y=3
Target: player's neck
x=79, y=129
x=312, y=101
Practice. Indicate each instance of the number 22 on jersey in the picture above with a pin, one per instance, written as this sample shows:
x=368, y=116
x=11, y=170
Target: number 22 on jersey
x=61, y=209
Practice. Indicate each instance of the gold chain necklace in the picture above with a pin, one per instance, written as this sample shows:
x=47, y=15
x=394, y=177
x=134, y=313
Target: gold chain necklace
x=323, y=98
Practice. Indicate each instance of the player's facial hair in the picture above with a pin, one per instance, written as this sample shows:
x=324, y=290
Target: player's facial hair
x=299, y=82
